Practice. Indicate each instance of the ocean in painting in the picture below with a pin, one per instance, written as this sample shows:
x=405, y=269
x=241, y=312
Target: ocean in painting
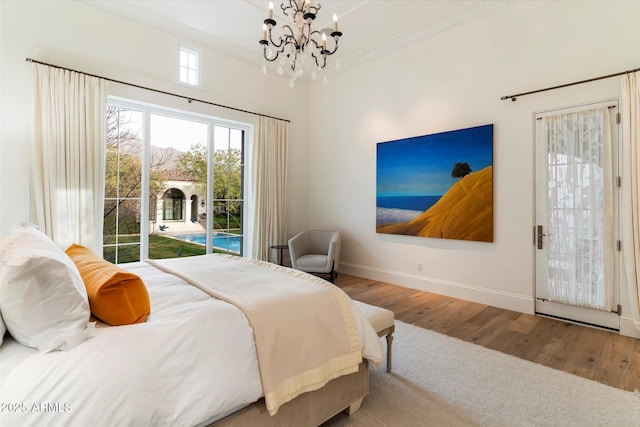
x=394, y=209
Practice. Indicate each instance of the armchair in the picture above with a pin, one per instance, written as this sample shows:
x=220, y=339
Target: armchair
x=315, y=251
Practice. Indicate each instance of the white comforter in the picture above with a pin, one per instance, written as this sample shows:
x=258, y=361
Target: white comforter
x=193, y=358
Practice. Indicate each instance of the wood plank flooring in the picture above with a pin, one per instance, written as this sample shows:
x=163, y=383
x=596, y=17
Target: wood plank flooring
x=603, y=356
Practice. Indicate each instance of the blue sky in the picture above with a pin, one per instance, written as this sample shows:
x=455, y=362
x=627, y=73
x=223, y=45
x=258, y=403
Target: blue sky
x=421, y=166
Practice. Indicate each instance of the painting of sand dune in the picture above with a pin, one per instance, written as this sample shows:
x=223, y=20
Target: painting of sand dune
x=438, y=185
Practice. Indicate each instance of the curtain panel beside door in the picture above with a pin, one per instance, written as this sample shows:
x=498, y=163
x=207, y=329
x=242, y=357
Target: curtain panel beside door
x=269, y=184
x=631, y=190
x=67, y=167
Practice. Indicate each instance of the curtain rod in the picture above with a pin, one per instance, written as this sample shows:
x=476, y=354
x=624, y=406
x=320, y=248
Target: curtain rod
x=514, y=97
x=189, y=99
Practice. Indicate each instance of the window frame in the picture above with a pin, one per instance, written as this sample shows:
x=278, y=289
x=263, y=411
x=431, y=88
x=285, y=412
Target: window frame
x=190, y=53
x=246, y=129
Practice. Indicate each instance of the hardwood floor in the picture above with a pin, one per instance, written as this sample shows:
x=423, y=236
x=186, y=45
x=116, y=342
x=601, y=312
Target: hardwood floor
x=603, y=356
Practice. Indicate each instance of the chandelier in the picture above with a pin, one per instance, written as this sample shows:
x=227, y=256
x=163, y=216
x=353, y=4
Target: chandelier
x=299, y=46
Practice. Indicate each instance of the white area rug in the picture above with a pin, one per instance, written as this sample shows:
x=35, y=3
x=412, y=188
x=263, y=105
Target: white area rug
x=442, y=381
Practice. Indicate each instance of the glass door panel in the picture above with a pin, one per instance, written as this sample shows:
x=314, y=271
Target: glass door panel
x=123, y=184
x=576, y=161
x=178, y=184
x=228, y=189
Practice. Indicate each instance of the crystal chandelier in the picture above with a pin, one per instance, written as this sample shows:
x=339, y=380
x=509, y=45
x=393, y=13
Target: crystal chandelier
x=299, y=46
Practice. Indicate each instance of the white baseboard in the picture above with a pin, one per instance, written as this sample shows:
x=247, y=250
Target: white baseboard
x=505, y=300
x=627, y=327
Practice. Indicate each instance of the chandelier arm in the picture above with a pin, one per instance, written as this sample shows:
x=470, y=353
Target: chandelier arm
x=288, y=27
x=273, y=43
x=277, y=53
x=331, y=52
x=305, y=37
x=286, y=8
x=290, y=36
x=336, y=38
x=267, y=58
x=284, y=40
x=315, y=43
x=294, y=54
x=324, y=61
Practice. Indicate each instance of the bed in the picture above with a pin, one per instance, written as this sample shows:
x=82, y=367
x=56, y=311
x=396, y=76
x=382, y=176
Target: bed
x=192, y=362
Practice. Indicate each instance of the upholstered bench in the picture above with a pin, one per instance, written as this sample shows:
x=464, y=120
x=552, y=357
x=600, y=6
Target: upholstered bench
x=383, y=321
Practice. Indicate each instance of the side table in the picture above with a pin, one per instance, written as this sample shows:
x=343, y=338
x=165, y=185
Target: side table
x=280, y=248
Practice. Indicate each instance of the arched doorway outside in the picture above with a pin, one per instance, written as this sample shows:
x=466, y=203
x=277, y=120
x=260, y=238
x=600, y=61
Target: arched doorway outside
x=173, y=202
x=194, y=208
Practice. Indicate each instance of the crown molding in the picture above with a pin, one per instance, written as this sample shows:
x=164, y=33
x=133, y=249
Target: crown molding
x=460, y=16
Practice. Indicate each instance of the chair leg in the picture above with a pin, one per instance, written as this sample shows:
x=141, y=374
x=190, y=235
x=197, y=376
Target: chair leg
x=332, y=274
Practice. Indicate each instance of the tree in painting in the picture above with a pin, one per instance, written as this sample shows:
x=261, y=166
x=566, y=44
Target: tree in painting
x=460, y=170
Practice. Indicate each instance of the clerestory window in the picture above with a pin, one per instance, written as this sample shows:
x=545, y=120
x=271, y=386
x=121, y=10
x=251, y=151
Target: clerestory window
x=189, y=66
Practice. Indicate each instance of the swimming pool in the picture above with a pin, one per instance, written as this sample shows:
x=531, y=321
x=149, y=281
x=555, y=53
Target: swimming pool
x=222, y=241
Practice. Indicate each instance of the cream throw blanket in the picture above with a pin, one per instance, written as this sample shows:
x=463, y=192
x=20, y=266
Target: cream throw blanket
x=304, y=330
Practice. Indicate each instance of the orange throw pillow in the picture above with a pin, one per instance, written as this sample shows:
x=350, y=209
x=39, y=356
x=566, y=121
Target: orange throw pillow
x=116, y=296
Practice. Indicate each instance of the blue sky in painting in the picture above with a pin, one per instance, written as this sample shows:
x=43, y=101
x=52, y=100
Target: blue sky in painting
x=421, y=166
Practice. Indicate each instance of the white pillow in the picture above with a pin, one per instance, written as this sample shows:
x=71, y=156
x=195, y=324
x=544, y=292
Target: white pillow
x=3, y=329
x=42, y=297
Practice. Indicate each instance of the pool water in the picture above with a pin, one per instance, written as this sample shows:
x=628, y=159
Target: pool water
x=222, y=241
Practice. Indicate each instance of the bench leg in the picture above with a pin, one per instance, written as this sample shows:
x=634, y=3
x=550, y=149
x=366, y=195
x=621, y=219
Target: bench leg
x=389, y=342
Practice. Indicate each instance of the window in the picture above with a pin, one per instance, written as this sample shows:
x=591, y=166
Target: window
x=174, y=184
x=189, y=66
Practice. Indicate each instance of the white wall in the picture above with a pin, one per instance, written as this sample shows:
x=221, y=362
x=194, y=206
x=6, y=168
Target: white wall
x=86, y=38
x=450, y=81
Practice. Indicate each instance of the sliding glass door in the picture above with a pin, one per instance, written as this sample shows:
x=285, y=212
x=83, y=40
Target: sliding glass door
x=174, y=184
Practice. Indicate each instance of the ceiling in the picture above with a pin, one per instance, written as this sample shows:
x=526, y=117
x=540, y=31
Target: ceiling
x=371, y=28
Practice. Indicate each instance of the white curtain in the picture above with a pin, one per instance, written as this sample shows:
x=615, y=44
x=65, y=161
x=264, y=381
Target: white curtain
x=269, y=182
x=631, y=190
x=580, y=208
x=67, y=185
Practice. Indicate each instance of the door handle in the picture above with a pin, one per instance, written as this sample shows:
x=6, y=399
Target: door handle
x=540, y=236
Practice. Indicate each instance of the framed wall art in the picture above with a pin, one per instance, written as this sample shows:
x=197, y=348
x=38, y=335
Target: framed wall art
x=438, y=185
